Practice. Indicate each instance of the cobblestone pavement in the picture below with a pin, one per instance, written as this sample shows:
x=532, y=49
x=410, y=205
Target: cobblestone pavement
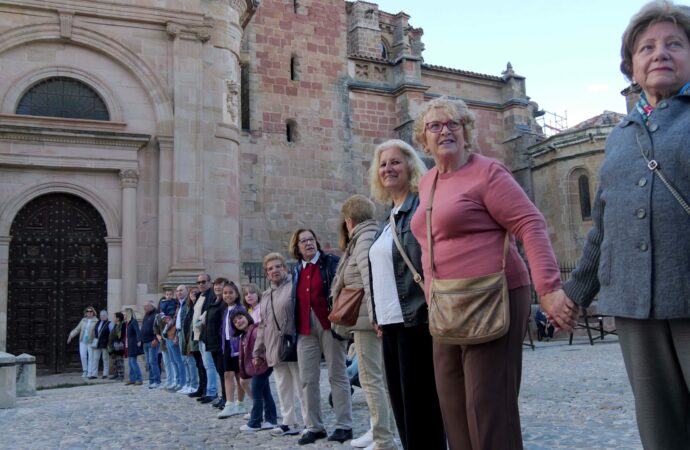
x=574, y=397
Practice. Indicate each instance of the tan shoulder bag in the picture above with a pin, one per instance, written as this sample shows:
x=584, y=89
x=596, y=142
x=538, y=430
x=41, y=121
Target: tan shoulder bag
x=466, y=311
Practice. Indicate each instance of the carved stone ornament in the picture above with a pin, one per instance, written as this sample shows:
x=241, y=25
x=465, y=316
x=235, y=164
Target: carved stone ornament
x=379, y=73
x=202, y=33
x=129, y=178
x=66, y=18
x=173, y=29
x=231, y=100
x=362, y=71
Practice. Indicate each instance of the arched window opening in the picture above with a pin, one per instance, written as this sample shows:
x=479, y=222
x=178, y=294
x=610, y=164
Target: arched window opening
x=63, y=97
x=384, y=50
x=585, y=203
x=291, y=131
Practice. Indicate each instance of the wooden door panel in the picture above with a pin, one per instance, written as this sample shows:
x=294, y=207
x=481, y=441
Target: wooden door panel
x=58, y=266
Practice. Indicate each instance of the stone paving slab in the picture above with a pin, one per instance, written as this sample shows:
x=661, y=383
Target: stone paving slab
x=573, y=397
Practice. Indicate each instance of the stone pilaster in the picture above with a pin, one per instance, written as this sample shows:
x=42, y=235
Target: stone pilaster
x=128, y=181
x=4, y=284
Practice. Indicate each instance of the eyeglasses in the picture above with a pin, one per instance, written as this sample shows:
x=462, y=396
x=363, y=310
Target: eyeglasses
x=306, y=240
x=202, y=281
x=436, y=127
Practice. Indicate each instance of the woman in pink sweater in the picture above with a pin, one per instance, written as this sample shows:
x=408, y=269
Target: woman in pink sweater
x=476, y=200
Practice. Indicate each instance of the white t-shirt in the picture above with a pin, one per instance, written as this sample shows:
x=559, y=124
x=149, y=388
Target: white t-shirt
x=385, y=293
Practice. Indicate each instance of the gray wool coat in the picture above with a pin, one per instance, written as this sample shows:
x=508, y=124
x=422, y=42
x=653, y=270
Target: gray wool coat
x=637, y=254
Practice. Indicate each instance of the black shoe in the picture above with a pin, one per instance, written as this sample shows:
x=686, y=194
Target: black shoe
x=207, y=399
x=195, y=394
x=310, y=437
x=113, y=377
x=217, y=401
x=340, y=435
x=220, y=404
x=92, y=378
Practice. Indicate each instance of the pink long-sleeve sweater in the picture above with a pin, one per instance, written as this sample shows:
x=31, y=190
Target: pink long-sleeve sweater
x=472, y=208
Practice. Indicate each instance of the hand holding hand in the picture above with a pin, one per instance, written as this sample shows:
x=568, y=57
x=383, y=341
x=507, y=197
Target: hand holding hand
x=379, y=332
x=560, y=310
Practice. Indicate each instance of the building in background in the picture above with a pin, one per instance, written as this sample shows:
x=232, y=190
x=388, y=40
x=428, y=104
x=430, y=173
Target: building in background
x=143, y=142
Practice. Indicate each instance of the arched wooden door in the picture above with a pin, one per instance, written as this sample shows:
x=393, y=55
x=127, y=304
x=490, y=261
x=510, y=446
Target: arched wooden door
x=57, y=267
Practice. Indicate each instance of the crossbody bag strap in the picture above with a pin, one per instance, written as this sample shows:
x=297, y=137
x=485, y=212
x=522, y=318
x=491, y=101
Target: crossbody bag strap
x=394, y=231
x=653, y=165
x=430, y=242
x=274, y=314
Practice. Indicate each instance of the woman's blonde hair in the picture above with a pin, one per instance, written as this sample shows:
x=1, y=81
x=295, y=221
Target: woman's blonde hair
x=651, y=13
x=129, y=314
x=457, y=110
x=271, y=256
x=358, y=208
x=414, y=165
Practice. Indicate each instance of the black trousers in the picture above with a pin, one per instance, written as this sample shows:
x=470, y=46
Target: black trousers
x=407, y=357
x=218, y=362
x=202, y=372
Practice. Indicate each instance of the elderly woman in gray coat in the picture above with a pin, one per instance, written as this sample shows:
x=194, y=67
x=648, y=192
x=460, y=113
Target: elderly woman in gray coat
x=356, y=236
x=278, y=319
x=637, y=255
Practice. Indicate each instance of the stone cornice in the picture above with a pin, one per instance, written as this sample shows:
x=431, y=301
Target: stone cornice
x=110, y=10
x=22, y=133
x=62, y=123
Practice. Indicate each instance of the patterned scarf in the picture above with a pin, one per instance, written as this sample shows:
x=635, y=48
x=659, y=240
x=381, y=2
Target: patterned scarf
x=645, y=109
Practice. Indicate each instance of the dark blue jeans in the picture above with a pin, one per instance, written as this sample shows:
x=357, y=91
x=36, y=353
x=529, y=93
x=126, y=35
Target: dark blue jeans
x=151, y=353
x=263, y=401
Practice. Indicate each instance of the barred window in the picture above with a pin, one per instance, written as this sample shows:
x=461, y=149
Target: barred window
x=63, y=97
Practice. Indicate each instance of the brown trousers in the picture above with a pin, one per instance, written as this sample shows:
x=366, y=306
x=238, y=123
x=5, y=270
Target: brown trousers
x=478, y=385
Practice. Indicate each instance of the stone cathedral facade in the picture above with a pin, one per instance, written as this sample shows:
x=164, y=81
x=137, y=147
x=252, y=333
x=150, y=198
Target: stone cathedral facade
x=145, y=141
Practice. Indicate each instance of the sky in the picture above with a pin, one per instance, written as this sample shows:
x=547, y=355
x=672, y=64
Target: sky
x=568, y=50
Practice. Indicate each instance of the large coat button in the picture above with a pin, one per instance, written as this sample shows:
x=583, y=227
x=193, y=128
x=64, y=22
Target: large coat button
x=641, y=213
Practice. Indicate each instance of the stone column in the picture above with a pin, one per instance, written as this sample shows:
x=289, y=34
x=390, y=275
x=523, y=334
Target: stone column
x=4, y=286
x=128, y=180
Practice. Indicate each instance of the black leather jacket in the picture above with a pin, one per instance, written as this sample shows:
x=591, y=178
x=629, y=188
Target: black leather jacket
x=412, y=300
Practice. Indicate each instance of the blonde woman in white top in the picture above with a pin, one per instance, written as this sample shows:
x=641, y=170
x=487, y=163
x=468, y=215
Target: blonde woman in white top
x=85, y=329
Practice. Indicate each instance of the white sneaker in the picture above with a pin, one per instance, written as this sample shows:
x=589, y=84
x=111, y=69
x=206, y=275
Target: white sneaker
x=364, y=441
x=247, y=416
x=240, y=408
x=184, y=390
x=162, y=387
x=228, y=411
x=153, y=386
x=268, y=426
x=285, y=430
x=248, y=429
x=83, y=375
x=370, y=446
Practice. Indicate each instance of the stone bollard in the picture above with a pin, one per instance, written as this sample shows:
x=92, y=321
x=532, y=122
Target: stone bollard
x=26, y=375
x=8, y=381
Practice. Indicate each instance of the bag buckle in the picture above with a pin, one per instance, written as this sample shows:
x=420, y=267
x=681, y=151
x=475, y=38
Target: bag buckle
x=417, y=278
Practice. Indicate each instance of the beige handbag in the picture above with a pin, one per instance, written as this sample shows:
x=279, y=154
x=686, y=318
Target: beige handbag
x=466, y=311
